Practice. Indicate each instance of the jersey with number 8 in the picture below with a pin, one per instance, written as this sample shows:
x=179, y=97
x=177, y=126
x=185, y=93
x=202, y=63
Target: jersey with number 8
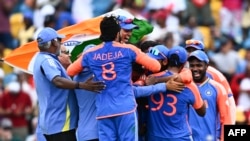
x=111, y=62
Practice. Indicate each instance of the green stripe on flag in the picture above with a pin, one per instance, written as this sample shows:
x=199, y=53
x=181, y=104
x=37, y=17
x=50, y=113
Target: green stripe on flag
x=144, y=28
x=79, y=48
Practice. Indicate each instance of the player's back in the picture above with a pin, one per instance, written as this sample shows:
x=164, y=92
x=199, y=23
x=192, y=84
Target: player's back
x=87, y=123
x=168, y=113
x=111, y=62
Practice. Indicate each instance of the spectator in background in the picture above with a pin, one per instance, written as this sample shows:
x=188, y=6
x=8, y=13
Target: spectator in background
x=168, y=40
x=63, y=17
x=231, y=15
x=159, y=22
x=6, y=133
x=28, y=6
x=244, y=97
x=16, y=105
x=134, y=7
x=186, y=34
x=246, y=56
x=32, y=136
x=193, y=26
x=49, y=21
x=26, y=85
x=100, y=7
x=80, y=6
x=42, y=9
x=2, y=74
x=174, y=10
x=216, y=36
x=241, y=116
x=227, y=59
x=245, y=23
x=235, y=83
x=26, y=33
x=243, y=70
x=201, y=11
x=6, y=39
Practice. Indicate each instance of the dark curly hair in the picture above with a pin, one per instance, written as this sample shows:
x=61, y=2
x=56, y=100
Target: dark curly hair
x=145, y=45
x=109, y=27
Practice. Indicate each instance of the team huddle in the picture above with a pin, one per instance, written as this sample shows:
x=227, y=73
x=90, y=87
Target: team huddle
x=96, y=98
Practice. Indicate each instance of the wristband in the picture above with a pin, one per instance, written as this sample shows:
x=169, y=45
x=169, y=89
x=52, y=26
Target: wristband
x=77, y=85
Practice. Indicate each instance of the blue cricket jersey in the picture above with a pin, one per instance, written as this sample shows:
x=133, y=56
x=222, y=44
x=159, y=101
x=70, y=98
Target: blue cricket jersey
x=57, y=107
x=112, y=62
x=216, y=100
x=87, y=123
x=168, y=112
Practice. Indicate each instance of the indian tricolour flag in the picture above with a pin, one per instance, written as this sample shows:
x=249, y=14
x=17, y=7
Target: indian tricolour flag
x=77, y=37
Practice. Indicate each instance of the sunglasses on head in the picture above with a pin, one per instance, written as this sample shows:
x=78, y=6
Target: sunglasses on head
x=156, y=52
x=128, y=21
x=193, y=42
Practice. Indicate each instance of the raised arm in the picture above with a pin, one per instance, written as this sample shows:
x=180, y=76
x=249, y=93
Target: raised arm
x=90, y=85
x=185, y=77
x=142, y=91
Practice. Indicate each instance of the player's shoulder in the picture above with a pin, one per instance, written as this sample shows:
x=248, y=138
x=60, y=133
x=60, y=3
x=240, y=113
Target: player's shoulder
x=95, y=48
x=214, y=72
x=129, y=46
x=218, y=86
x=161, y=74
x=44, y=55
x=191, y=85
x=191, y=88
x=214, y=82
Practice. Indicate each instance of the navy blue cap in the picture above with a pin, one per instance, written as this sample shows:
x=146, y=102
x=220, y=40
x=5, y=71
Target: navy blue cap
x=158, y=52
x=180, y=52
